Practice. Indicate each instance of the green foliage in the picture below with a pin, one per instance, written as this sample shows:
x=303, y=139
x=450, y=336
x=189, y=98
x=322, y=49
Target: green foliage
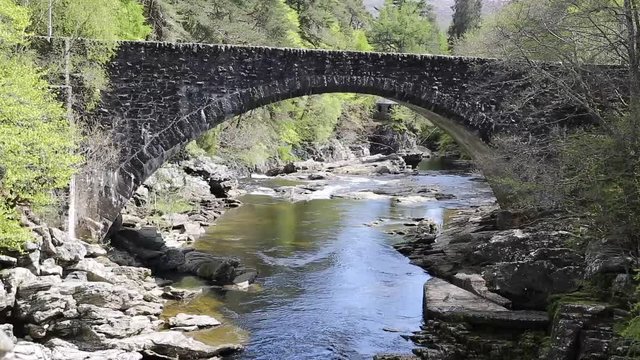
x=285, y=154
x=14, y=20
x=36, y=141
x=263, y=22
x=89, y=19
x=12, y=235
x=404, y=27
x=466, y=16
x=276, y=130
x=631, y=329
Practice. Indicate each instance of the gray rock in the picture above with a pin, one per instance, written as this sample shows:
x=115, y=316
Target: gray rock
x=190, y=228
x=30, y=351
x=62, y=350
x=58, y=237
x=571, y=328
x=71, y=251
x=49, y=267
x=197, y=321
x=219, y=270
x=7, y=262
x=173, y=344
x=448, y=302
x=180, y=294
x=246, y=278
x=48, y=247
x=31, y=261
x=112, y=324
x=12, y=280
x=605, y=257
x=132, y=221
x=172, y=259
x=79, y=276
x=95, y=271
x=122, y=258
x=530, y=283
x=145, y=243
x=7, y=329
x=6, y=344
x=40, y=307
x=94, y=250
x=102, y=294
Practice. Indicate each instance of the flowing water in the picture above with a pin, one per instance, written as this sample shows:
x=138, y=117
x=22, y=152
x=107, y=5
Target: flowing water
x=330, y=285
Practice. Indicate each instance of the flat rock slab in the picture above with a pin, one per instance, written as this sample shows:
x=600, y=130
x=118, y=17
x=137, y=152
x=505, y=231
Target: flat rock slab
x=185, y=321
x=448, y=302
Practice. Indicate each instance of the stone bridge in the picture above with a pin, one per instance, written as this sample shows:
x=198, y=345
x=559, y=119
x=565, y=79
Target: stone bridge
x=162, y=96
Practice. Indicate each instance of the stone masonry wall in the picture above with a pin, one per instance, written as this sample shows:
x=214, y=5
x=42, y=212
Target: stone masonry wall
x=163, y=95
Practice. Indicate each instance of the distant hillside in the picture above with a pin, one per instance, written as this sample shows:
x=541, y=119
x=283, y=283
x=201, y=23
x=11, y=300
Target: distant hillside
x=442, y=9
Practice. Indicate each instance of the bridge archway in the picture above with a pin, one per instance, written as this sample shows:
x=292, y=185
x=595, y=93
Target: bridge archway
x=163, y=95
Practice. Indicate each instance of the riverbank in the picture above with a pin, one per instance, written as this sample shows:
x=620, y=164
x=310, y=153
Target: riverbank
x=511, y=286
x=68, y=299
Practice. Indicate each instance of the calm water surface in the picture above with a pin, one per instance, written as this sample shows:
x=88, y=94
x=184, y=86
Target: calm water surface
x=329, y=287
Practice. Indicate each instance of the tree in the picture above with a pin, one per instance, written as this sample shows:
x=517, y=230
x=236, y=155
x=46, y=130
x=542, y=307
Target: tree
x=405, y=27
x=36, y=140
x=466, y=16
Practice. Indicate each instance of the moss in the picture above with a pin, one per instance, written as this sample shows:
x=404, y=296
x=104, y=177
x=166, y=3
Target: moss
x=588, y=294
x=533, y=343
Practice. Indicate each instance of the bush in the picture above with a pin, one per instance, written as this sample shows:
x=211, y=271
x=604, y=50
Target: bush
x=36, y=140
x=12, y=235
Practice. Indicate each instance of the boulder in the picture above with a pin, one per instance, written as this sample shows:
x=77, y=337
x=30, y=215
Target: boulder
x=6, y=345
x=585, y=331
x=7, y=262
x=31, y=261
x=191, y=228
x=62, y=350
x=173, y=344
x=94, y=250
x=49, y=267
x=219, y=270
x=25, y=350
x=103, y=295
x=245, y=278
x=58, y=237
x=445, y=301
x=39, y=307
x=146, y=238
x=220, y=179
x=112, y=324
x=528, y=284
x=182, y=321
x=70, y=251
x=12, y=280
x=605, y=257
x=172, y=293
x=95, y=271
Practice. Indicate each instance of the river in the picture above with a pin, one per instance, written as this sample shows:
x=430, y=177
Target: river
x=330, y=284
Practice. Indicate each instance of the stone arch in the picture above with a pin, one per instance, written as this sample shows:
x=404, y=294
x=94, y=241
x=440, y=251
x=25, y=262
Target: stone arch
x=164, y=95
x=119, y=184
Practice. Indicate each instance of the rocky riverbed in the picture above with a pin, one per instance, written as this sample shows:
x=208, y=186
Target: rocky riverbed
x=494, y=294
x=68, y=299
